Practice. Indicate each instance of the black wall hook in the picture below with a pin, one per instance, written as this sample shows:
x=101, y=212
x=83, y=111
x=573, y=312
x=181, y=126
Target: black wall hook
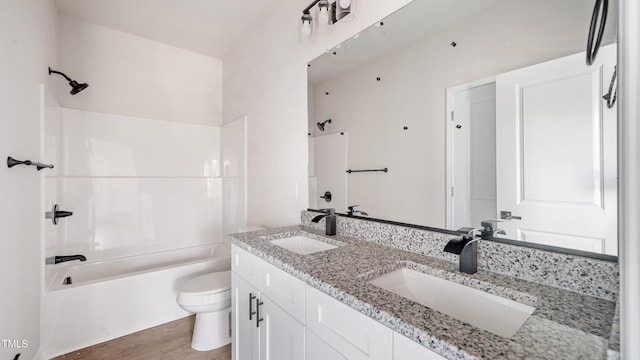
x=11, y=162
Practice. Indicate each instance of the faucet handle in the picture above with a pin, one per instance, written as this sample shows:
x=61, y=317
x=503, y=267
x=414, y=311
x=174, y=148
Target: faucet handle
x=329, y=211
x=466, y=232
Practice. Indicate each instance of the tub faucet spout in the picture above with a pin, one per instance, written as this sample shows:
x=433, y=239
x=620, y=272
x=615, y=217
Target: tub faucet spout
x=64, y=258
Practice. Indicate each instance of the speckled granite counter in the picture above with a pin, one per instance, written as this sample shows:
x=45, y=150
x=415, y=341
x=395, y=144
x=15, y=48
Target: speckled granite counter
x=565, y=324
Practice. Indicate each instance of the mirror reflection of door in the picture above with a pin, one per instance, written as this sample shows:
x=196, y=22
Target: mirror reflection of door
x=329, y=170
x=472, y=129
x=557, y=153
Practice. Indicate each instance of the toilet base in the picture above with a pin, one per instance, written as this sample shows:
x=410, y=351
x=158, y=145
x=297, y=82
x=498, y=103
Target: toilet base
x=212, y=330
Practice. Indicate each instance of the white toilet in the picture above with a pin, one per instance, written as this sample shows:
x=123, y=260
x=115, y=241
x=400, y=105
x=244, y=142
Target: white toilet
x=209, y=296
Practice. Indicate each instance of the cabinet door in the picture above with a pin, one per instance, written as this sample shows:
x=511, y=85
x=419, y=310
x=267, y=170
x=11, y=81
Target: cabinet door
x=354, y=335
x=245, y=333
x=281, y=336
x=407, y=349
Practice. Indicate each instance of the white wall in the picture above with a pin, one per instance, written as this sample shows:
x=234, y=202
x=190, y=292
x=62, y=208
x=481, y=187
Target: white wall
x=412, y=93
x=266, y=80
x=131, y=183
x=27, y=44
x=131, y=75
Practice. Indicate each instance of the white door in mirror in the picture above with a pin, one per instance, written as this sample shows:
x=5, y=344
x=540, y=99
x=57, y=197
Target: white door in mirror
x=556, y=153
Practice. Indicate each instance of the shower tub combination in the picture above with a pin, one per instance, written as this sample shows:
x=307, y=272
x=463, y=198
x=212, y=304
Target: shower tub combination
x=91, y=302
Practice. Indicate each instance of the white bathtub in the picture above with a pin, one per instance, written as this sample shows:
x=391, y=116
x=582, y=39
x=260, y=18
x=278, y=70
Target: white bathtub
x=112, y=298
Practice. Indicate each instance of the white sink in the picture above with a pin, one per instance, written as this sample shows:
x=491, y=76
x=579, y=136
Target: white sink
x=489, y=312
x=303, y=245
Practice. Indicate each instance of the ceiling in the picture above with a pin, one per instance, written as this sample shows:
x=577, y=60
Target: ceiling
x=209, y=27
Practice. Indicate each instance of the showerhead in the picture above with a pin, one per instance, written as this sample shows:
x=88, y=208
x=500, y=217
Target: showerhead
x=75, y=87
x=321, y=124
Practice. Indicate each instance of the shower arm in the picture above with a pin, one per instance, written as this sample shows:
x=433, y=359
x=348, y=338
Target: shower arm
x=58, y=72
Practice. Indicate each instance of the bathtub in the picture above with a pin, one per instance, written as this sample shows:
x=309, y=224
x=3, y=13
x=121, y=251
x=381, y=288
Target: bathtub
x=111, y=298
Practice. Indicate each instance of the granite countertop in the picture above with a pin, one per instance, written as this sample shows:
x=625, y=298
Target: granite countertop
x=564, y=325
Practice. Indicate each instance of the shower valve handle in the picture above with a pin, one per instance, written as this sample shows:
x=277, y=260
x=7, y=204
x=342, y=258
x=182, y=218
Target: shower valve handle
x=55, y=214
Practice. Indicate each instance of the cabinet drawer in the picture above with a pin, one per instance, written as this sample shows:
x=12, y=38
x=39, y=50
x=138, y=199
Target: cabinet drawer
x=407, y=349
x=353, y=335
x=316, y=349
x=284, y=290
x=246, y=265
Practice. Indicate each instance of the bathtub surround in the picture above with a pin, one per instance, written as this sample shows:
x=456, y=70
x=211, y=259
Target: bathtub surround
x=133, y=184
x=558, y=328
x=587, y=276
x=234, y=174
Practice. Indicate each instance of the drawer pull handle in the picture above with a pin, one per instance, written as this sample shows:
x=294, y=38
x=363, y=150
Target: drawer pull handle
x=258, y=319
x=251, y=312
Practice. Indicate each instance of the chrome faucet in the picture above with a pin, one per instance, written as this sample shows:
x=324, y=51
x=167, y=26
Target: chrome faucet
x=467, y=249
x=59, y=259
x=353, y=211
x=330, y=220
x=490, y=229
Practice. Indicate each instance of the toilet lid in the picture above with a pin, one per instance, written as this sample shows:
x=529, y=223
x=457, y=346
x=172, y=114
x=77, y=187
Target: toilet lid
x=208, y=283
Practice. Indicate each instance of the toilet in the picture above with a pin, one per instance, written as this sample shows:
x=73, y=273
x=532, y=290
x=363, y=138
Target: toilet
x=209, y=297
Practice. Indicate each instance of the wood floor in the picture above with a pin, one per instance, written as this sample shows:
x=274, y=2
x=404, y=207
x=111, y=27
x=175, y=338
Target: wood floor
x=168, y=341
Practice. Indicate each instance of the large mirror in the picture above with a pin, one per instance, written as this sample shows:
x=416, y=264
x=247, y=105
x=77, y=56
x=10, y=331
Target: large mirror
x=449, y=113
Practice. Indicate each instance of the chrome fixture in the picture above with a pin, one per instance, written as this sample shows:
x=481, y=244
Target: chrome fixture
x=327, y=15
x=321, y=125
x=353, y=211
x=467, y=249
x=64, y=258
x=55, y=214
x=490, y=229
x=330, y=220
x=75, y=86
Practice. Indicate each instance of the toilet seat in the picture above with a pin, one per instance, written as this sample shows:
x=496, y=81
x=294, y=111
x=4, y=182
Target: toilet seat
x=206, y=289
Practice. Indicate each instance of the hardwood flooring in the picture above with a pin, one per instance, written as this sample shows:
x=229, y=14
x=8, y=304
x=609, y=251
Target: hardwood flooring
x=168, y=341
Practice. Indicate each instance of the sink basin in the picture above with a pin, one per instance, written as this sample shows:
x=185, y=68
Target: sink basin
x=303, y=245
x=493, y=313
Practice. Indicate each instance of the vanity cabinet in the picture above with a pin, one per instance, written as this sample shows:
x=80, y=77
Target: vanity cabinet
x=262, y=328
x=271, y=308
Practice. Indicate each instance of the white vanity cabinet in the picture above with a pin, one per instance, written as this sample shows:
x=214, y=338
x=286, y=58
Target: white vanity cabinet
x=262, y=328
x=270, y=311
